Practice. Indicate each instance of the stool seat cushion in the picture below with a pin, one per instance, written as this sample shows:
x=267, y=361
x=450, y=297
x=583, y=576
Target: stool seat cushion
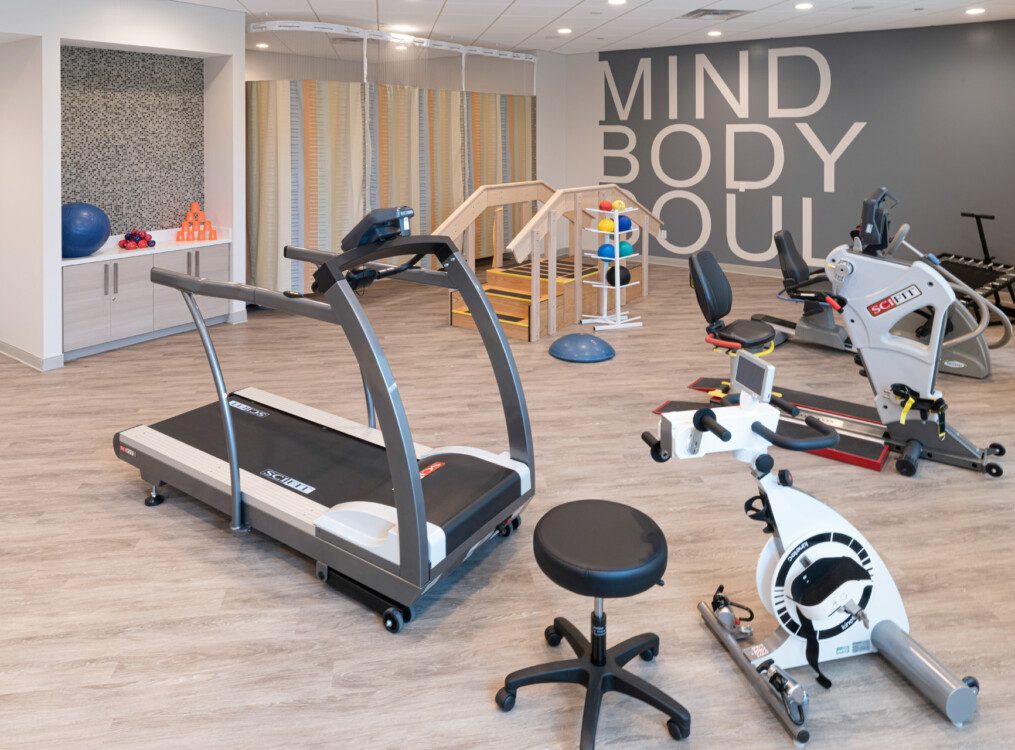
x=600, y=548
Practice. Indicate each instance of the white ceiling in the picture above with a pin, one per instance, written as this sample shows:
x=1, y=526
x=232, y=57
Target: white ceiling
x=529, y=25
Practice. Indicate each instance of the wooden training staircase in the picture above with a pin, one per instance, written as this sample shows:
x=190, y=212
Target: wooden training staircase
x=510, y=293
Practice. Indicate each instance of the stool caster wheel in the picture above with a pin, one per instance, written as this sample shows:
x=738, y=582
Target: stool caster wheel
x=505, y=700
x=994, y=470
x=649, y=654
x=393, y=619
x=677, y=731
x=152, y=500
x=552, y=636
x=996, y=449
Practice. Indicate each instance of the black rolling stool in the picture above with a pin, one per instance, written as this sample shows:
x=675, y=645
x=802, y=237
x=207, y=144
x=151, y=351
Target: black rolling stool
x=600, y=549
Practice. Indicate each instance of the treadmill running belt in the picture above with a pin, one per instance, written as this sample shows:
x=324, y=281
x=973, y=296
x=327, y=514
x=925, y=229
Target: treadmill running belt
x=332, y=467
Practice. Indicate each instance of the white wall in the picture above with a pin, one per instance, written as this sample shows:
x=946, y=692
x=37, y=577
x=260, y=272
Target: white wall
x=584, y=107
x=145, y=25
x=551, y=119
x=21, y=279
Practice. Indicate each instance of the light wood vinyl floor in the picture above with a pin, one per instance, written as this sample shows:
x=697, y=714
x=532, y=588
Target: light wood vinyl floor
x=125, y=626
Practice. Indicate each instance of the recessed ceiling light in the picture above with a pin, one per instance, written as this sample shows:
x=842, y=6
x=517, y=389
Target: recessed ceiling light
x=401, y=47
x=715, y=33
x=804, y=6
x=564, y=30
x=975, y=11
x=402, y=27
x=617, y=2
x=262, y=45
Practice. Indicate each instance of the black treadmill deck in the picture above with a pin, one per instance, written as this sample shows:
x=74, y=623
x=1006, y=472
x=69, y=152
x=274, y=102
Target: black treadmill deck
x=329, y=467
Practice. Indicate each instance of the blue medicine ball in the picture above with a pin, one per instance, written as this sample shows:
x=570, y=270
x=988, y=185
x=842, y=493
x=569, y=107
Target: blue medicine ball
x=625, y=223
x=85, y=229
x=606, y=252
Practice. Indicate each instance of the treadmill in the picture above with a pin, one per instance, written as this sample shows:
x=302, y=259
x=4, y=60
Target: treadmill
x=385, y=518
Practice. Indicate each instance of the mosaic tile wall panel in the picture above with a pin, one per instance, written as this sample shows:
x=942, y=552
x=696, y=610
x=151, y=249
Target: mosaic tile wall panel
x=133, y=134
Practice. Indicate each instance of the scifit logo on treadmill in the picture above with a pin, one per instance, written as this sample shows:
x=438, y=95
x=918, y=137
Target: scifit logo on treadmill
x=894, y=300
x=287, y=481
x=249, y=409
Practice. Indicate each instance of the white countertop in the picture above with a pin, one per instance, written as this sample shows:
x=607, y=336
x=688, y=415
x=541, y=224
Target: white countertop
x=165, y=242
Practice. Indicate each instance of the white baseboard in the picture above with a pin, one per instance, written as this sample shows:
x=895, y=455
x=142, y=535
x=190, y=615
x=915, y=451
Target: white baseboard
x=36, y=363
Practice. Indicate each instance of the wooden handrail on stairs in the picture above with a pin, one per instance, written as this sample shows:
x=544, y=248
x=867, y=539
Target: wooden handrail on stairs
x=540, y=233
x=461, y=223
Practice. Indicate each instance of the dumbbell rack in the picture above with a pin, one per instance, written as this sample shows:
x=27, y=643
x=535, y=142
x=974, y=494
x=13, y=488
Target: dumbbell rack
x=617, y=318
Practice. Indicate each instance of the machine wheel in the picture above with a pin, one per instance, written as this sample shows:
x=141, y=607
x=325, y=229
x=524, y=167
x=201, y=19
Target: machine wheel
x=517, y=520
x=393, y=619
x=677, y=732
x=408, y=614
x=996, y=449
x=505, y=529
x=994, y=470
x=973, y=683
x=552, y=636
x=649, y=654
x=905, y=467
x=152, y=501
x=505, y=700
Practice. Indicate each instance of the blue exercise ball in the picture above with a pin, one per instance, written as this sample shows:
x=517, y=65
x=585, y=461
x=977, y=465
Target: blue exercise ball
x=581, y=347
x=606, y=252
x=85, y=229
x=625, y=223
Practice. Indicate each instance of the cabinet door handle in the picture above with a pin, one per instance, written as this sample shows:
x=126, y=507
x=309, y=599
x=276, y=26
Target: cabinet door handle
x=197, y=263
x=188, y=264
x=105, y=279
x=116, y=278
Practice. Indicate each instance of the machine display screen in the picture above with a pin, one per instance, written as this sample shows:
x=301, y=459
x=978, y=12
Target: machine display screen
x=751, y=374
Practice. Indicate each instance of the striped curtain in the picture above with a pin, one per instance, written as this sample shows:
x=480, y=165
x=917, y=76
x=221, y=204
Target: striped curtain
x=321, y=154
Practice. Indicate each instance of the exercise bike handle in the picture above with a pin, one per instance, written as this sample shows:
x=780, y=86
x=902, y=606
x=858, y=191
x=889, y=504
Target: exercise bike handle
x=826, y=438
x=704, y=421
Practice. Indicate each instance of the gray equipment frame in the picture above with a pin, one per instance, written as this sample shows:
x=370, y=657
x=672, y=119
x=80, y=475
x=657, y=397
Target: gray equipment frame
x=413, y=576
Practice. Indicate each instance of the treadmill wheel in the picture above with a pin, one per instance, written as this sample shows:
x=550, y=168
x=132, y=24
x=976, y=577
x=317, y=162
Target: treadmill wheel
x=517, y=520
x=152, y=500
x=393, y=619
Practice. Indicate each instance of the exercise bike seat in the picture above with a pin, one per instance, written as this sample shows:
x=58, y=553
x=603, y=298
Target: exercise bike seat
x=715, y=298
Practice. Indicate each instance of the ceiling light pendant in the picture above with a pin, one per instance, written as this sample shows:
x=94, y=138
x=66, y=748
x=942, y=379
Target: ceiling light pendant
x=715, y=33
x=975, y=11
x=564, y=30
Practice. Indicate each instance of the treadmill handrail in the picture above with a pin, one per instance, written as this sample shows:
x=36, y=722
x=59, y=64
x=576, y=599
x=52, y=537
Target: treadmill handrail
x=251, y=295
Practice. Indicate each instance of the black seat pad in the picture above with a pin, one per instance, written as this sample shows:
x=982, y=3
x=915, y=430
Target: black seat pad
x=747, y=333
x=600, y=548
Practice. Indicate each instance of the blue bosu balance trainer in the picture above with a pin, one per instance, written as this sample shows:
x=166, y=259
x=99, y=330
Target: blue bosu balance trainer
x=581, y=347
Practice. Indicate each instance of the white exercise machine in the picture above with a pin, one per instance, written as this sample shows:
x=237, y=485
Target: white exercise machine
x=818, y=576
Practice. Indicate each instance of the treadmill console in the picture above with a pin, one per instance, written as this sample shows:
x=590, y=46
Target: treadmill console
x=380, y=225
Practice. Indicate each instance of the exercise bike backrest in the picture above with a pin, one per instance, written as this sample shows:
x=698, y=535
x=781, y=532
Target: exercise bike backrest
x=711, y=287
x=795, y=270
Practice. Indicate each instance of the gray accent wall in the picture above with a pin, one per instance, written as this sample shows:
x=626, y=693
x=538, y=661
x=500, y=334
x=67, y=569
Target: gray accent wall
x=931, y=112
x=132, y=127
